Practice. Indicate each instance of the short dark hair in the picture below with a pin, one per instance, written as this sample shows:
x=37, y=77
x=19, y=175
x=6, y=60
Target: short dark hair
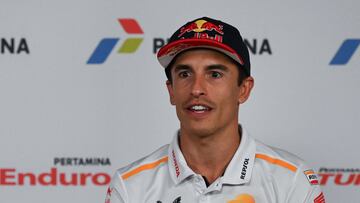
x=242, y=73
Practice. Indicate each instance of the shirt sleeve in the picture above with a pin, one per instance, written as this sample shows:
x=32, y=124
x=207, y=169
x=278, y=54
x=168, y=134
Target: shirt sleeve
x=116, y=193
x=305, y=187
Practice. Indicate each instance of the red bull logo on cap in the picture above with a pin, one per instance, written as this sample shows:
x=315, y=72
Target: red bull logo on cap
x=199, y=27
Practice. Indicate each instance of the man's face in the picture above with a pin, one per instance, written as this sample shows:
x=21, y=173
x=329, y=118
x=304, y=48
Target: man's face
x=205, y=91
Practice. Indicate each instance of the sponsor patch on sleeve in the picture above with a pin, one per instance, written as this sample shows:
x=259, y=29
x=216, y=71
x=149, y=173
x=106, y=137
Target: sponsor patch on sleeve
x=312, y=177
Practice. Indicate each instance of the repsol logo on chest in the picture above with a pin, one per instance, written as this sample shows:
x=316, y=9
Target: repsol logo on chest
x=14, y=46
x=244, y=169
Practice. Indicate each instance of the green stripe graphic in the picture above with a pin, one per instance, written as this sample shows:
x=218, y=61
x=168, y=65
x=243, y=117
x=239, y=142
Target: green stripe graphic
x=130, y=45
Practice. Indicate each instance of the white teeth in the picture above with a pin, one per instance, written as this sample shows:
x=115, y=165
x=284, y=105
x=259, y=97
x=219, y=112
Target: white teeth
x=199, y=108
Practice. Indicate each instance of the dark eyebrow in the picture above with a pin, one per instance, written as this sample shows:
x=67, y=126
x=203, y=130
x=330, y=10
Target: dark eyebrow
x=180, y=67
x=221, y=67
x=217, y=67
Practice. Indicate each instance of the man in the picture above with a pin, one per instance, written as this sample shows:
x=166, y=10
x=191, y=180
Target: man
x=212, y=158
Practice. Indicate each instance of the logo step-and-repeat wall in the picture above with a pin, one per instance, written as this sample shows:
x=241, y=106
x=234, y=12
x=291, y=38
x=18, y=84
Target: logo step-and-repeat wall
x=82, y=93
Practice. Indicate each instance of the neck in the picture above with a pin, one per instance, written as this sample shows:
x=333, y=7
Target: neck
x=209, y=155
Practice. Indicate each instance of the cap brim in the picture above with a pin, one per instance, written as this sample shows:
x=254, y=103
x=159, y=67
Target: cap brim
x=168, y=52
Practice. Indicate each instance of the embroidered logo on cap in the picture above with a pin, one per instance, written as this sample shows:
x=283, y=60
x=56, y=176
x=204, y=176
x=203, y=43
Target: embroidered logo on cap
x=214, y=32
x=174, y=50
x=201, y=26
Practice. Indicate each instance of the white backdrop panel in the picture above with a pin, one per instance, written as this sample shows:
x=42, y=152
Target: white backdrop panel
x=54, y=104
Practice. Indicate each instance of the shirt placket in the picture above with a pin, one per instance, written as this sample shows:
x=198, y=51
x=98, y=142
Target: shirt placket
x=202, y=191
x=200, y=188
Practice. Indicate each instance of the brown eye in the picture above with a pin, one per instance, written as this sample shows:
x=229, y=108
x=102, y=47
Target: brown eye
x=215, y=74
x=184, y=74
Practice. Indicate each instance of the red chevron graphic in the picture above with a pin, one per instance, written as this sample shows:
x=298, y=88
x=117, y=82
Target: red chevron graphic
x=130, y=26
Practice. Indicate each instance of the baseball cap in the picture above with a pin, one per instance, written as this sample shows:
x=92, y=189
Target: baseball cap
x=207, y=33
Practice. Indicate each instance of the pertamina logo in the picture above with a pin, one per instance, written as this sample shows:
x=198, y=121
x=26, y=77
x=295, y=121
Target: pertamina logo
x=14, y=46
x=131, y=44
x=106, y=45
x=339, y=176
x=345, y=52
x=58, y=175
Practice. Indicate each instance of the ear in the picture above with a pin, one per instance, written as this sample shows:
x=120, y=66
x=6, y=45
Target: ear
x=245, y=89
x=171, y=92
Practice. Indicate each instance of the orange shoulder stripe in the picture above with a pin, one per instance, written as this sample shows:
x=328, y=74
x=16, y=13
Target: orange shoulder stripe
x=276, y=162
x=144, y=167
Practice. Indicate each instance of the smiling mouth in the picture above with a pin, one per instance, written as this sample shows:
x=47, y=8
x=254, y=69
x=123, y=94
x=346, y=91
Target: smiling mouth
x=198, y=108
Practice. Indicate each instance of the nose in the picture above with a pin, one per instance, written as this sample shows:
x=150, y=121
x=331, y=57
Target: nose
x=198, y=87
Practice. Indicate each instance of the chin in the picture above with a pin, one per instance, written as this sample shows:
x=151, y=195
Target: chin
x=199, y=129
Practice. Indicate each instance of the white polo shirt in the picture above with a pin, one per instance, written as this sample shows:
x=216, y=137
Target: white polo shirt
x=257, y=173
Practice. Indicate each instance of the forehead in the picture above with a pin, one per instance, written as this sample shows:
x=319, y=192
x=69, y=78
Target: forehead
x=203, y=56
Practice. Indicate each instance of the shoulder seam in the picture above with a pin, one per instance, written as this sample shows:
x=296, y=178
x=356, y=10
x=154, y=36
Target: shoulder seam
x=143, y=167
x=276, y=161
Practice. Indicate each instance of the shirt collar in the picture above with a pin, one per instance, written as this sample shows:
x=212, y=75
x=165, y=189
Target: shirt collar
x=238, y=171
x=179, y=170
x=241, y=165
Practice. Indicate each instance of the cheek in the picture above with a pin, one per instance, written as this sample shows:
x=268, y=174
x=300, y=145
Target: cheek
x=179, y=94
x=229, y=98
